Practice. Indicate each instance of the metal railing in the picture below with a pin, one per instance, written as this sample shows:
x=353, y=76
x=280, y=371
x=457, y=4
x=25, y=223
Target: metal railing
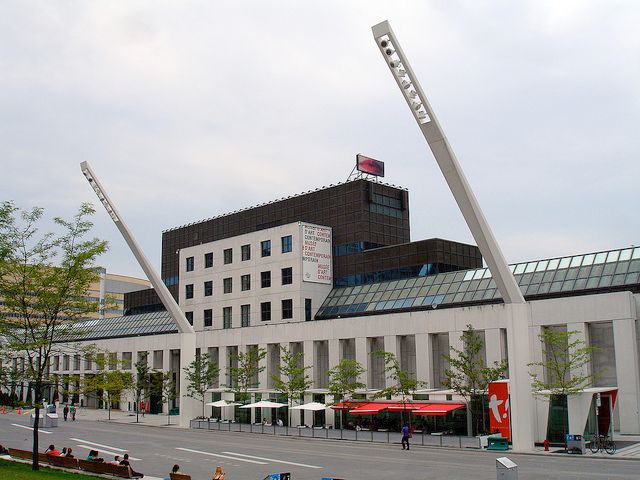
x=375, y=436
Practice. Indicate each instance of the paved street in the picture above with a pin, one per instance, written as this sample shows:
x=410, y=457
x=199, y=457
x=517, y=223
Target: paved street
x=251, y=456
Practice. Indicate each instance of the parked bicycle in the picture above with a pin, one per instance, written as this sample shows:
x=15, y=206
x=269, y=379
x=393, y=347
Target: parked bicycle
x=602, y=442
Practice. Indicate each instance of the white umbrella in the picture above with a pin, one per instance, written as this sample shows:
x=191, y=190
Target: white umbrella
x=264, y=404
x=221, y=403
x=313, y=406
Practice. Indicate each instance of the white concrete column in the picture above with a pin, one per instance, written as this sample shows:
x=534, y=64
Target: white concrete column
x=334, y=359
x=188, y=406
x=521, y=400
x=309, y=354
x=493, y=347
x=362, y=356
x=626, y=353
x=424, y=359
x=391, y=346
x=581, y=329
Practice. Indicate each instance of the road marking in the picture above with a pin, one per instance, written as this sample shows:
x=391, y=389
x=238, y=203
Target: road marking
x=99, y=445
x=273, y=460
x=30, y=428
x=220, y=456
x=106, y=452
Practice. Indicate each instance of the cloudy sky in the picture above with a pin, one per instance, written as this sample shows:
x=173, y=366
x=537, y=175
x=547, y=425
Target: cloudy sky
x=191, y=109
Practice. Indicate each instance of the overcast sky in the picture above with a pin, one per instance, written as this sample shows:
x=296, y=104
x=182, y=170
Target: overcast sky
x=188, y=110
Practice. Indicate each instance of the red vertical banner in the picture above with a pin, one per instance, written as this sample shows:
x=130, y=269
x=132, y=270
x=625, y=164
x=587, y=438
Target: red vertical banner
x=499, y=414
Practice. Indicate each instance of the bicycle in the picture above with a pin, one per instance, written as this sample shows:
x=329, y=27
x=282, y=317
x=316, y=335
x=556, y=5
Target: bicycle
x=602, y=442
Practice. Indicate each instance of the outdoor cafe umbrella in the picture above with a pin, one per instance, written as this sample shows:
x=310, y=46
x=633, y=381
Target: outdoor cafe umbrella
x=264, y=404
x=312, y=406
x=221, y=404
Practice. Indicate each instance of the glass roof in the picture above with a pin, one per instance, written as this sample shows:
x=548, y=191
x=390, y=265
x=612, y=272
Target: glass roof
x=128, y=326
x=602, y=270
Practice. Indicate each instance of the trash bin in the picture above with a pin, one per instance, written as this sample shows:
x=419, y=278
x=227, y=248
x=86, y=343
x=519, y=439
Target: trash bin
x=506, y=469
x=52, y=420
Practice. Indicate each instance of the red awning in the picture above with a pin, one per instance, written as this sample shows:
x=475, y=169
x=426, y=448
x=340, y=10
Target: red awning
x=370, y=408
x=405, y=407
x=437, y=409
x=347, y=405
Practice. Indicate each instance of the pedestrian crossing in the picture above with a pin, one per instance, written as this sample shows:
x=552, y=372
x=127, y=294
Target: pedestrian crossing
x=632, y=451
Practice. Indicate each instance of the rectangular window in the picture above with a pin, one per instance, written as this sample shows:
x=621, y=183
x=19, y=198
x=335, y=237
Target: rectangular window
x=226, y=317
x=127, y=358
x=65, y=362
x=265, y=311
x=287, y=276
x=245, y=315
x=265, y=248
x=227, y=285
x=208, y=260
x=208, y=317
x=287, y=309
x=113, y=360
x=228, y=256
x=189, y=264
x=88, y=363
x=287, y=244
x=189, y=316
x=188, y=291
x=245, y=252
x=245, y=282
x=208, y=288
x=265, y=279
x=157, y=359
x=76, y=362
x=307, y=309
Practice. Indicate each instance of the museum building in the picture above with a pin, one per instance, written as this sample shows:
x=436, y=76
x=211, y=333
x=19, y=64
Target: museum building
x=332, y=274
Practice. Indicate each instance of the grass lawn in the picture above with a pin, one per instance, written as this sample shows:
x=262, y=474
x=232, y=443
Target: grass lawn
x=22, y=471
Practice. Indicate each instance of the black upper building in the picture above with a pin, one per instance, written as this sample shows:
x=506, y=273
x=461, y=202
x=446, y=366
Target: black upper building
x=371, y=236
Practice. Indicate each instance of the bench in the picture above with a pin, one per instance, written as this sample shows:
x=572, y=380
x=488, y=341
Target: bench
x=179, y=476
x=27, y=455
x=66, y=462
x=122, y=471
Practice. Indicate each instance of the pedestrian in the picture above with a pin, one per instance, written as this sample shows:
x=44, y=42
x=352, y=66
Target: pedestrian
x=65, y=412
x=218, y=474
x=72, y=410
x=125, y=461
x=406, y=434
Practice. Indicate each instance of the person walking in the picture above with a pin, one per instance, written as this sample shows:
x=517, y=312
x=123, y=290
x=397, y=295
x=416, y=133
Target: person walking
x=72, y=410
x=65, y=412
x=406, y=434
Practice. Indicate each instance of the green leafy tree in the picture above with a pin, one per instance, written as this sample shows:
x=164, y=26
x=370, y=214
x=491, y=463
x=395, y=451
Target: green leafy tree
x=343, y=381
x=142, y=385
x=245, y=375
x=402, y=383
x=292, y=379
x=565, y=357
x=165, y=389
x=109, y=383
x=44, y=279
x=201, y=375
x=469, y=377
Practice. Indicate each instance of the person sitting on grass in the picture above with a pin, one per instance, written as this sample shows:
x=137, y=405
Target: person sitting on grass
x=52, y=451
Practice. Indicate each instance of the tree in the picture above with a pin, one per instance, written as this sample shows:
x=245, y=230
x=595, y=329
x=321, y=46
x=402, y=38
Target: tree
x=109, y=382
x=245, y=375
x=201, y=374
x=469, y=377
x=43, y=282
x=292, y=379
x=142, y=385
x=564, y=360
x=402, y=383
x=343, y=381
x=165, y=388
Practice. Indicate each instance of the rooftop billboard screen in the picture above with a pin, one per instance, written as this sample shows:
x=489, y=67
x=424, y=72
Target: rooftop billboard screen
x=369, y=165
